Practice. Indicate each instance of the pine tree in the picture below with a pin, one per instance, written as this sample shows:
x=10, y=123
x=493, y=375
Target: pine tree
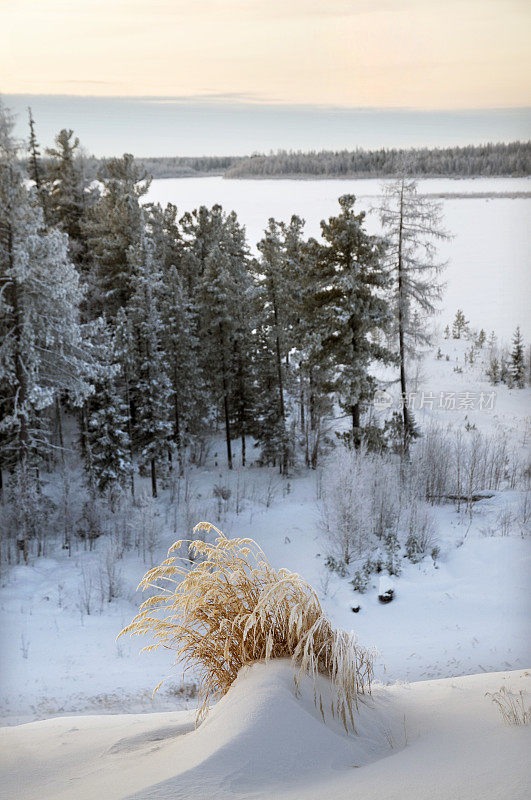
x=181, y=351
x=216, y=294
x=350, y=307
x=68, y=193
x=242, y=390
x=412, y=224
x=274, y=276
x=152, y=388
x=315, y=367
x=517, y=368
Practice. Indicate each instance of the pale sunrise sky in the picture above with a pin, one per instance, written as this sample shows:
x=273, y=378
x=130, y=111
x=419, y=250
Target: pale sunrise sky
x=424, y=54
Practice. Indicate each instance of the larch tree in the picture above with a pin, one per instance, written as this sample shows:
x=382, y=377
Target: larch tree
x=35, y=167
x=412, y=226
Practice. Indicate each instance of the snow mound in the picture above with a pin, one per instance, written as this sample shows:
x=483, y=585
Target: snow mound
x=437, y=738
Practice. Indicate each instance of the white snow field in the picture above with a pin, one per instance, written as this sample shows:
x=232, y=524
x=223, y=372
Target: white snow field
x=439, y=739
x=488, y=257
x=459, y=626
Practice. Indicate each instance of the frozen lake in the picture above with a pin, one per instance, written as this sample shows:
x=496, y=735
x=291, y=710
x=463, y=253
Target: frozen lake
x=489, y=256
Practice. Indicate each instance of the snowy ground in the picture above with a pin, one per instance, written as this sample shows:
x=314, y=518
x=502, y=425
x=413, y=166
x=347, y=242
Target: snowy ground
x=437, y=739
x=468, y=613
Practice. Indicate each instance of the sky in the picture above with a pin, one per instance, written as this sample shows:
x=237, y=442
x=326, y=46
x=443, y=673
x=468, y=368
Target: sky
x=279, y=56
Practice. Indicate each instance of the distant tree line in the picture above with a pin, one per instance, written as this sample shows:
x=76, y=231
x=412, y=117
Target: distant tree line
x=512, y=159
x=489, y=159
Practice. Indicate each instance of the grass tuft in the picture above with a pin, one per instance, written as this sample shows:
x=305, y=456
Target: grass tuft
x=512, y=706
x=231, y=608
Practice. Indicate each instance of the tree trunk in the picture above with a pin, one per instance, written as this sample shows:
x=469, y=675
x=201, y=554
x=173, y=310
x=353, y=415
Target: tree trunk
x=284, y=461
x=59, y=425
x=177, y=430
x=355, y=411
x=225, y=399
x=406, y=422
x=301, y=395
x=153, y=478
x=130, y=430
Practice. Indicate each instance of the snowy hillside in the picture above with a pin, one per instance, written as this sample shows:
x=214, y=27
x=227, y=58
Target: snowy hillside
x=440, y=739
x=464, y=613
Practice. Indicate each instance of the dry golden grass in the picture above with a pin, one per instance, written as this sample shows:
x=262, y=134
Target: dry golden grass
x=512, y=706
x=232, y=608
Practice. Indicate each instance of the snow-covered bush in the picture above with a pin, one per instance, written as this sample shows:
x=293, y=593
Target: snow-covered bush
x=421, y=532
x=232, y=609
x=360, y=505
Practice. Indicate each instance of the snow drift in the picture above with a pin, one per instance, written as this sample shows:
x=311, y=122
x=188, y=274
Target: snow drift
x=439, y=739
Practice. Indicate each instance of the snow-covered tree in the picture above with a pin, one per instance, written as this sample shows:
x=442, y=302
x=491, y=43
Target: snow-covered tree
x=181, y=351
x=275, y=274
x=68, y=192
x=517, y=367
x=108, y=447
x=350, y=307
x=42, y=354
x=35, y=168
x=114, y=225
x=152, y=388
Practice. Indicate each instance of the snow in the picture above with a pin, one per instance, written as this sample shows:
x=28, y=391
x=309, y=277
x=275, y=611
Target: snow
x=488, y=258
x=453, y=631
x=468, y=613
x=440, y=739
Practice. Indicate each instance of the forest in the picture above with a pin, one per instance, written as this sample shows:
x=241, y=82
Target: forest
x=490, y=159
x=153, y=332
x=512, y=159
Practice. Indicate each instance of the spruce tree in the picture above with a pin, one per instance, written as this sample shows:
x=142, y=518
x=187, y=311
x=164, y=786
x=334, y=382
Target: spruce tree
x=42, y=351
x=350, y=307
x=108, y=443
x=114, y=225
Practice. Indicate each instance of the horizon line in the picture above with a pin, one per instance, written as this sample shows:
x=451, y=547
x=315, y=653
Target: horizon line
x=240, y=100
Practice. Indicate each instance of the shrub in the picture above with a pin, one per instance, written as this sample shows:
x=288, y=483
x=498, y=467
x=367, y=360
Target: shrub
x=232, y=608
x=421, y=533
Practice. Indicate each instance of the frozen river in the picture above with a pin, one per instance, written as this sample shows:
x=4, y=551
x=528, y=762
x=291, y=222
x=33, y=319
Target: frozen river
x=489, y=256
